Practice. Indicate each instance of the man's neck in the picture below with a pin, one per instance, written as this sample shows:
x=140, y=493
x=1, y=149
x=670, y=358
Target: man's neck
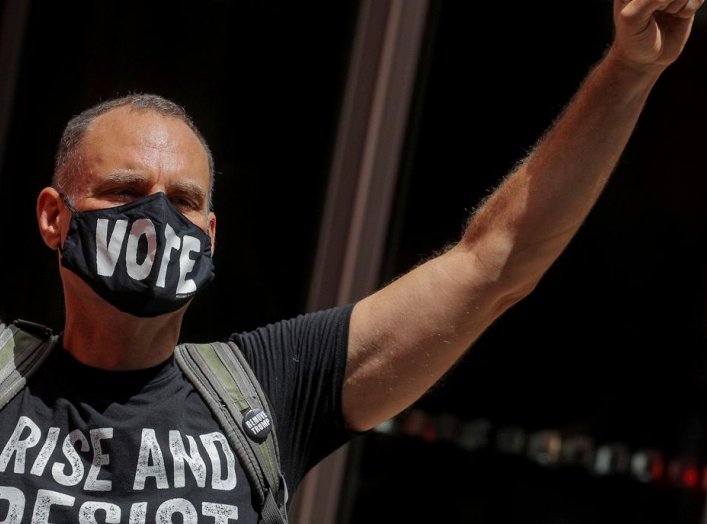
x=102, y=337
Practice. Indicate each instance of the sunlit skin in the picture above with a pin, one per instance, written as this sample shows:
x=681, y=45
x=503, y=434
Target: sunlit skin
x=403, y=338
x=126, y=154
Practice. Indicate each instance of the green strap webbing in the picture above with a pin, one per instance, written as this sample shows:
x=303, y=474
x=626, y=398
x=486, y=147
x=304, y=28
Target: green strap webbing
x=220, y=373
x=21, y=353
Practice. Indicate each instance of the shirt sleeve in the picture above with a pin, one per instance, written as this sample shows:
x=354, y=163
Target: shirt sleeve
x=301, y=364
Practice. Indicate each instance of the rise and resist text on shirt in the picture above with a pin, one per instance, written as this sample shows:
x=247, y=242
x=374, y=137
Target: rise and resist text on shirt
x=64, y=460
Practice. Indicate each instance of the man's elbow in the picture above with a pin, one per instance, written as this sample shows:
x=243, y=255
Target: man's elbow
x=512, y=297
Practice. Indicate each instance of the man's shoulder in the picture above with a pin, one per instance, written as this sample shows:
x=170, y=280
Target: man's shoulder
x=315, y=320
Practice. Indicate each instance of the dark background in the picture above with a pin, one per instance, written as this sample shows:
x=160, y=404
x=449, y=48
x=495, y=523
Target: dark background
x=611, y=344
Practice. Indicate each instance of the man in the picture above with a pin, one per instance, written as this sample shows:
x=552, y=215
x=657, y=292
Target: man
x=110, y=429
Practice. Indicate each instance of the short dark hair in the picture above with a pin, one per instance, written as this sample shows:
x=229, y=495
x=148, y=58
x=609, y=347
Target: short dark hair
x=66, y=164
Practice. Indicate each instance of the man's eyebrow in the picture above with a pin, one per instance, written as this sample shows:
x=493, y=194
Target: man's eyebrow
x=125, y=176
x=190, y=188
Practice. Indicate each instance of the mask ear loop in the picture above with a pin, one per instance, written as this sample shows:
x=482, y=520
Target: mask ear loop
x=67, y=203
x=72, y=210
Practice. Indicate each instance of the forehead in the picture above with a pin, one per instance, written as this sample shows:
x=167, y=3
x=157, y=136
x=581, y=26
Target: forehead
x=146, y=142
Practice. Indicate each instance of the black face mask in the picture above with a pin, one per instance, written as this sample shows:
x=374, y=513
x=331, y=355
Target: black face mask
x=145, y=257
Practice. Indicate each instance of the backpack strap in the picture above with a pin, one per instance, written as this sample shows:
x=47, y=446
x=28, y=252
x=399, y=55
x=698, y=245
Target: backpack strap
x=23, y=347
x=223, y=377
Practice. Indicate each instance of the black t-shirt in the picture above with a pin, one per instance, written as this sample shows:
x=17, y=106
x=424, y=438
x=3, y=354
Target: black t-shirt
x=80, y=444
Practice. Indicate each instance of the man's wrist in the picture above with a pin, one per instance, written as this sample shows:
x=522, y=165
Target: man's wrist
x=628, y=75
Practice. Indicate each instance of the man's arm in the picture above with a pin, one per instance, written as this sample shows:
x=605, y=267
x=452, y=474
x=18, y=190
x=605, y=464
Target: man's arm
x=404, y=337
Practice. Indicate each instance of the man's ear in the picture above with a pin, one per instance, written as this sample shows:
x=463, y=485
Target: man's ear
x=49, y=216
x=212, y=231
